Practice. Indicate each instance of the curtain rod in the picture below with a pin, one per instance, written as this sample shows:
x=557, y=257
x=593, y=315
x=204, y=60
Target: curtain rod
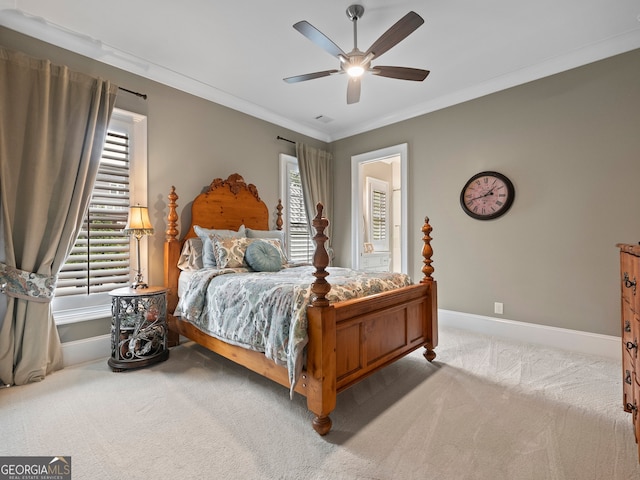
x=285, y=139
x=143, y=95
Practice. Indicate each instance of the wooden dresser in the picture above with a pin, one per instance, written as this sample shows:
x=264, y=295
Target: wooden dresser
x=629, y=276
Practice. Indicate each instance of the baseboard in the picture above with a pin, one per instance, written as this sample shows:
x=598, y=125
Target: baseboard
x=90, y=349
x=86, y=350
x=566, y=339
x=95, y=348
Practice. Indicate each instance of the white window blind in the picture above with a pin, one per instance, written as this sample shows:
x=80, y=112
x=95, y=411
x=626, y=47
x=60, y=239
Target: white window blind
x=300, y=243
x=99, y=260
x=300, y=247
x=378, y=213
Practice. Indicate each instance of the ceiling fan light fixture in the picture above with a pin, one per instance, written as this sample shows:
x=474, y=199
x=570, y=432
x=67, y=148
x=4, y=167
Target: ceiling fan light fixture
x=355, y=71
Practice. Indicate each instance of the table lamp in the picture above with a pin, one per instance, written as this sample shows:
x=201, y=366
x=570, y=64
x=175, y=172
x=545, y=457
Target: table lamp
x=137, y=226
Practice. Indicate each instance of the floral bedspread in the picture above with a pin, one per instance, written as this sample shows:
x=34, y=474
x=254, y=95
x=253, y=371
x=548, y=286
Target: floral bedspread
x=266, y=311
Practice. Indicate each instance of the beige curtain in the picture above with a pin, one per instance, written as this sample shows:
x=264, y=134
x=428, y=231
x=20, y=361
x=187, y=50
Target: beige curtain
x=53, y=124
x=316, y=176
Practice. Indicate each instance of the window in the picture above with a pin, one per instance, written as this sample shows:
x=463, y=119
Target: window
x=378, y=213
x=300, y=247
x=99, y=260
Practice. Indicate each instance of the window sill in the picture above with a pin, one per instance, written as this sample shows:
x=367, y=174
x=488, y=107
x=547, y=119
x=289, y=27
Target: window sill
x=76, y=315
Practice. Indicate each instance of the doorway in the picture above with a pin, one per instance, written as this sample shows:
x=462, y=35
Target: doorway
x=375, y=247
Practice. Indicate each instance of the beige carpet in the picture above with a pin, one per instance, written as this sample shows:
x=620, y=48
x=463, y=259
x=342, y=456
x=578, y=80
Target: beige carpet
x=487, y=409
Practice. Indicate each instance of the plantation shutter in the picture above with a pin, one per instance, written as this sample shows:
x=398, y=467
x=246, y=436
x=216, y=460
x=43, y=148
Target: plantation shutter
x=300, y=243
x=379, y=215
x=99, y=260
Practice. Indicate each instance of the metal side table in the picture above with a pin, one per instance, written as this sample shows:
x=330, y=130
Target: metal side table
x=138, y=327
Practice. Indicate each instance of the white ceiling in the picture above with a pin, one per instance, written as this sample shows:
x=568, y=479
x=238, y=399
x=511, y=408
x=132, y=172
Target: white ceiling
x=237, y=53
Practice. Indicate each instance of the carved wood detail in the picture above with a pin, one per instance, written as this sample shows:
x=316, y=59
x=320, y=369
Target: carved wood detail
x=320, y=287
x=279, y=221
x=235, y=182
x=427, y=252
x=172, y=217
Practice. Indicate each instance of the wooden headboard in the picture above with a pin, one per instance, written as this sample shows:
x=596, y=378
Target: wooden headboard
x=227, y=205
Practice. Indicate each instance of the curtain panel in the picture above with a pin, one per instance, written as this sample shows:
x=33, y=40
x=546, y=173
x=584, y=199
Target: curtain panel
x=316, y=176
x=53, y=123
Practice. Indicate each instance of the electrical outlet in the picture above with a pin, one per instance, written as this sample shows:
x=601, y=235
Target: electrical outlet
x=497, y=308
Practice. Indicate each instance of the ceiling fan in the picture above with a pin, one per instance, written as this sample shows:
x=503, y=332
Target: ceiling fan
x=356, y=63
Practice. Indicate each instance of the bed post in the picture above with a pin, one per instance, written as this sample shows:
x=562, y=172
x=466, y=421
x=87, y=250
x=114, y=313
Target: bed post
x=427, y=270
x=171, y=257
x=320, y=286
x=321, y=350
x=279, y=221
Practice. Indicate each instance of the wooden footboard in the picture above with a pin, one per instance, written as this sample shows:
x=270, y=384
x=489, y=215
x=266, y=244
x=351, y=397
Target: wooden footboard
x=347, y=340
x=350, y=340
x=371, y=334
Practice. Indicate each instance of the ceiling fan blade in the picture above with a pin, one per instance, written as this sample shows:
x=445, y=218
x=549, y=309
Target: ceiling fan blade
x=319, y=38
x=398, y=32
x=402, y=73
x=310, y=76
x=353, y=90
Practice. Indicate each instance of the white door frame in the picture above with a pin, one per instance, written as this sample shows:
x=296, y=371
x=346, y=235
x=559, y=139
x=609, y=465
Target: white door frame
x=356, y=195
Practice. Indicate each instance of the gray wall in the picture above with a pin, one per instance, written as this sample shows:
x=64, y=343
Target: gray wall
x=570, y=143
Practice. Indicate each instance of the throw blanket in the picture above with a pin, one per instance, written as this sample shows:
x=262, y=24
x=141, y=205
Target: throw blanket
x=266, y=312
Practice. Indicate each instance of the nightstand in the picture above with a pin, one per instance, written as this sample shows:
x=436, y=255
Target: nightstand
x=138, y=327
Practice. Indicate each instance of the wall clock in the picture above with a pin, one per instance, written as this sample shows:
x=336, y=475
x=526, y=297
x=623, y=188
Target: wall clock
x=487, y=195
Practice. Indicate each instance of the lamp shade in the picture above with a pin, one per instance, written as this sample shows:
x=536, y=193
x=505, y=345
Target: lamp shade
x=138, y=223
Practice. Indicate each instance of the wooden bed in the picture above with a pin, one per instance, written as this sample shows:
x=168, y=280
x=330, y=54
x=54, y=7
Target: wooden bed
x=348, y=340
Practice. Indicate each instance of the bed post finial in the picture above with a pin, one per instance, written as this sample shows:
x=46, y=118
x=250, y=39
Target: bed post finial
x=172, y=218
x=320, y=287
x=279, y=208
x=427, y=252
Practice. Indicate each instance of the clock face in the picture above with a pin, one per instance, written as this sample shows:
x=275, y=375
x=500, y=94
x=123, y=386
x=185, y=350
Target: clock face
x=487, y=195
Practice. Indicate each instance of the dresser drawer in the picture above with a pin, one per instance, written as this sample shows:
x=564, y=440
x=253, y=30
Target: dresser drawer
x=628, y=380
x=629, y=279
x=629, y=323
x=627, y=390
x=636, y=417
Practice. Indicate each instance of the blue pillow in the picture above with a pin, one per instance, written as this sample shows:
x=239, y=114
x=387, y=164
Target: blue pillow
x=263, y=257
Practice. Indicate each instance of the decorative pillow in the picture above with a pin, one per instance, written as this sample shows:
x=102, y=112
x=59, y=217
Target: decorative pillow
x=263, y=257
x=191, y=255
x=268, y=235
x=279, y=234
x=208, y=254
x=229, y=251
x=278, y=246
